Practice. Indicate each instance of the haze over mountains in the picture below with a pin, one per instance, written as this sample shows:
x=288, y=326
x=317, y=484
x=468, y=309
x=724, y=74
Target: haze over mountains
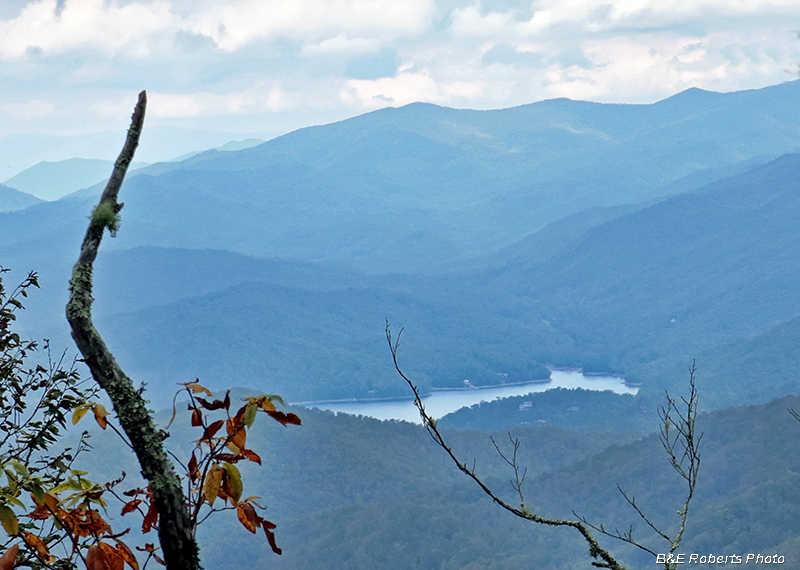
x=53, y=180
x=618, y=238
x=624, y=278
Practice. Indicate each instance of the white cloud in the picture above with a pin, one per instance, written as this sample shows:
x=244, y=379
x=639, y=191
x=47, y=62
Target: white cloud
x=234, y=24
x=341, y=45
x=28, y=110
x=259, y=98
x=84, y=24
x=406, y=87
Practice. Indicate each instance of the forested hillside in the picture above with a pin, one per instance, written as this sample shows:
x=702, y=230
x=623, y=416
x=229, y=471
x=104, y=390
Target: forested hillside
x=373, y=494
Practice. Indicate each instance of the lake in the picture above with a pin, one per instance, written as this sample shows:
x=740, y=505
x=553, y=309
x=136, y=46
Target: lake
x=442, y=402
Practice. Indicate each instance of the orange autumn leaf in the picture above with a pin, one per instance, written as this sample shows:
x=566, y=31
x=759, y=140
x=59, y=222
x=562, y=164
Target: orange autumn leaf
x=100, y=414
x=236, y=434
x=39, y=545
x=113, y=557
x=210, y=431
x=247, y=516
x=150, y=518
x=43, y=510
x=251, y=455
x=96, y=559
x=9, y=557
x=193, y=473
x=130, y=506
x=127, y=555
x=197, y=388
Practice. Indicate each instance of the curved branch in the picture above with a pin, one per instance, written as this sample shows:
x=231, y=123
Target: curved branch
x=603, y=558
x=177, y=542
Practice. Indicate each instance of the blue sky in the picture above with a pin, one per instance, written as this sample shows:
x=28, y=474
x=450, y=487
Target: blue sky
x=216, y=70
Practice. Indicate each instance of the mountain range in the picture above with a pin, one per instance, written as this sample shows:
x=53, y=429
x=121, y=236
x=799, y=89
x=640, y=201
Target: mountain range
x=619, y=238
x=626, y=239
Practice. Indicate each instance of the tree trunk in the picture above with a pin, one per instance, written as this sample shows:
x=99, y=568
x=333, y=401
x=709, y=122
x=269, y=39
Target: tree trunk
x=175, y=532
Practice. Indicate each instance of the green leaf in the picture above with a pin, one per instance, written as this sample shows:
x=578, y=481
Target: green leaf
x=20, y=468
x=9, y=520
x=71, y=485
x=233, y=482
x=250, y=414
x=276, y=398
x=38, y=492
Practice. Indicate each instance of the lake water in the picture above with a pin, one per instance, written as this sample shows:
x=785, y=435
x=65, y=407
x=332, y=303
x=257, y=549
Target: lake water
x=442, y=402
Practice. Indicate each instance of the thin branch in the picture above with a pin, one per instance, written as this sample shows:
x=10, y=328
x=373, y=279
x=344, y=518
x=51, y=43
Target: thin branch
x=680, y=440
x=518, y=481
x=623, y=536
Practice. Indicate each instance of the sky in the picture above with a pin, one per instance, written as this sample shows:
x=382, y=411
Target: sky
x=219, y=70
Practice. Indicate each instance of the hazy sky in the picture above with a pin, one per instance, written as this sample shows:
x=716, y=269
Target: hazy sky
x=71, y=67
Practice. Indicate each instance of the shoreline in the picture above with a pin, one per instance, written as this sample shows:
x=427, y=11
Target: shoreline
x=469, y=388
x=411, y=399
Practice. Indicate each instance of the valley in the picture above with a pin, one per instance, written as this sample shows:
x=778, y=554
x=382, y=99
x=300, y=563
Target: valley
x=627, y=240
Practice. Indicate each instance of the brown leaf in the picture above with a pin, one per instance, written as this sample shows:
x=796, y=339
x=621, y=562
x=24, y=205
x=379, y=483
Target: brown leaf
x=43, y=510
x=229, y=457
x=100, y=414
x=130, y=506
x=268, y=526
x=113, y=556
x=150, y=549
x=247, y=516
x=285, y=419
x=211, y=406
x=237, y=435
x=252, y=456
x=127, y=555
x=193, y=472
x=150, y=518
x=197, y=417
x=9, y=557
x=96, y=524
x=214, y=428
x=96, y=559
x=39, y=545
x=196, y=388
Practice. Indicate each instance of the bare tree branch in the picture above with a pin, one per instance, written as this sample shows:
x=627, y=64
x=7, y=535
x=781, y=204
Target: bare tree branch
x=175, y=531
x=682, y=445
x=602, y=558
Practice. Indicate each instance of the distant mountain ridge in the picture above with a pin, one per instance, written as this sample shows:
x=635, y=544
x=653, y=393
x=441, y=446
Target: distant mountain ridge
x=12, y=199
x=414, y=187
x=54, y=180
